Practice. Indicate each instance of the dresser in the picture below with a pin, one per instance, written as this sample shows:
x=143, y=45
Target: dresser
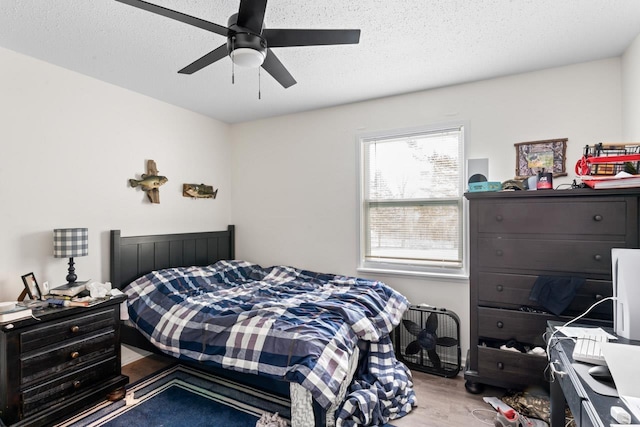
x=65, y=361
x=517, y=236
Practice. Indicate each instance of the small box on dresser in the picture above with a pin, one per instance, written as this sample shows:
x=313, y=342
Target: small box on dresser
x=67, y=360
x=514, y=238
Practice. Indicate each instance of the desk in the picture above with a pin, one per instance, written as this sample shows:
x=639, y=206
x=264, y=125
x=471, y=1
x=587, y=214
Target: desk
x=589, y=408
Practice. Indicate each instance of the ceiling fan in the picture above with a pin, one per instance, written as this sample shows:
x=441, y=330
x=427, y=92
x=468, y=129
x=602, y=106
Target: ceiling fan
x=248, y=42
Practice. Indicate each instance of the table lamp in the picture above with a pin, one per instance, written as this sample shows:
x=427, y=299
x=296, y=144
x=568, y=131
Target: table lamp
x=70, y=243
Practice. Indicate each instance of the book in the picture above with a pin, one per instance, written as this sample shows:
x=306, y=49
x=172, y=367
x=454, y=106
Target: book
x=69, y=290
x=621, y=180
x=51, y=299
x=19, y=312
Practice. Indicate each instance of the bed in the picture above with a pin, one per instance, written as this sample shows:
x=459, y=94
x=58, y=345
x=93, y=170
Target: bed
x=282, y=329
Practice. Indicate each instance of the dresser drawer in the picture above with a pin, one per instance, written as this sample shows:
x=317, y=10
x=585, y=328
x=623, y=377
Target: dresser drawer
x=53, y=333
x=55, y=360
x=587, y=257
x=513, y=290
x=62, y=388
x=520, y=368
x=570, y=216
x=504, y=325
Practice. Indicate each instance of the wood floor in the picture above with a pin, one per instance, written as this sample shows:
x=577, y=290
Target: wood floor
x=144, y=367
x=442, y=402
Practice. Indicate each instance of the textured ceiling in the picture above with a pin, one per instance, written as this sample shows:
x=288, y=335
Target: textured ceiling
x=405, y=46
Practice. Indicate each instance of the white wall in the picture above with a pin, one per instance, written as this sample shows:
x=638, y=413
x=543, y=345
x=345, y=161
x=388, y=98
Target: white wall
x=295, y=177
x=70, y=143
x=631, y=92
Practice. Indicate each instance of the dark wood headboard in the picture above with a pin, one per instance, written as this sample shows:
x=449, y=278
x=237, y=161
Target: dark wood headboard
x=135, y=256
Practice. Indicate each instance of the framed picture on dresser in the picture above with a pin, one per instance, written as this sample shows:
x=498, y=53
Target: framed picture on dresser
x=31, y=288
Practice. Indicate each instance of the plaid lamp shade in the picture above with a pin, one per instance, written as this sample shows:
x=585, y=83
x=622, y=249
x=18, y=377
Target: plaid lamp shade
x=70, y=242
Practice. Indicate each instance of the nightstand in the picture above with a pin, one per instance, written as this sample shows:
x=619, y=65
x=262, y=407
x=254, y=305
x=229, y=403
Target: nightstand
x=67, y=360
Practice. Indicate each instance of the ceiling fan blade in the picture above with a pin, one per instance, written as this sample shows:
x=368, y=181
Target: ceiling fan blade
x=187, y=19
x=291, y=37
x=206, y=60
x=251, y=14
x=273, y=66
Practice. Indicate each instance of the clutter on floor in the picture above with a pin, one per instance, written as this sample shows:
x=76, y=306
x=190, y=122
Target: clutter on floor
x=524, y=408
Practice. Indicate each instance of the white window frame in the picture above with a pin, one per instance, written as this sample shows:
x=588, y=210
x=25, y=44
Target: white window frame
x=407, y=268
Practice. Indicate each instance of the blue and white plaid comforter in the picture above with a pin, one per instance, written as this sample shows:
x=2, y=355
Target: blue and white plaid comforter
x=278, y=322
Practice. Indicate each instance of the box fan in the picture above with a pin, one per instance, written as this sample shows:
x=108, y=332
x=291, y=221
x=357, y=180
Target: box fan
x=428, y=340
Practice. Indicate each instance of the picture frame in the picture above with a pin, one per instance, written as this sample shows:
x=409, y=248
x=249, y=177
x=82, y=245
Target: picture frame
x=31, y=287
x=548, y=154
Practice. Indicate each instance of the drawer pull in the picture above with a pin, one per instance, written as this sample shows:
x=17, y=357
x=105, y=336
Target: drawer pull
x=500, y=365
x=499, y=324
x=76, y=384
x=597, y=218
x=499, y=252
x=499, y=288
x=75, y=329
x=499, y=218
x=597, y=257
x=75, y=354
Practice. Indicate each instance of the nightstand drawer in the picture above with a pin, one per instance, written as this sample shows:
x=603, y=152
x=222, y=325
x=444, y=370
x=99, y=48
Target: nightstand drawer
x=55, y=360
x=56, y=391
x=53, y=333
x=579, y=217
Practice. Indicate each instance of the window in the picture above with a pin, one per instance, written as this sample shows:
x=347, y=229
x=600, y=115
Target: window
x=411, y=208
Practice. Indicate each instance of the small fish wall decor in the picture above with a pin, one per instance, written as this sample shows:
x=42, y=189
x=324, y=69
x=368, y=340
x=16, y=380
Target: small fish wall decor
x=150, y=182
x=199, y=191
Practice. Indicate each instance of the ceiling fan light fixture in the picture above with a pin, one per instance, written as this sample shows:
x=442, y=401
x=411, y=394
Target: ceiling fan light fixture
x=247, y=57
x=247, y=38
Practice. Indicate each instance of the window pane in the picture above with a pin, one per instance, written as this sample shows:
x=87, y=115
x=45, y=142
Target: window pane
x=427, y=232
x=414, y=167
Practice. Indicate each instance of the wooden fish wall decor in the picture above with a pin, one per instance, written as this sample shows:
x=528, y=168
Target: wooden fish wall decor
x=150, y=182
x=199, y=191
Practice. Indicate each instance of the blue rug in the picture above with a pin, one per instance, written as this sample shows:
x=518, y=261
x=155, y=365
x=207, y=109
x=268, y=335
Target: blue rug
x=181, y=396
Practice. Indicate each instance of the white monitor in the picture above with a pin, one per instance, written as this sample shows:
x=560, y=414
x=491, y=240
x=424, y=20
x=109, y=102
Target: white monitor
x=625, y=272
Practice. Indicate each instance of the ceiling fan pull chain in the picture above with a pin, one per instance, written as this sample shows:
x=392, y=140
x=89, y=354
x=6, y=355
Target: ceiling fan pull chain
x=233, y=64
x=259, y=81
